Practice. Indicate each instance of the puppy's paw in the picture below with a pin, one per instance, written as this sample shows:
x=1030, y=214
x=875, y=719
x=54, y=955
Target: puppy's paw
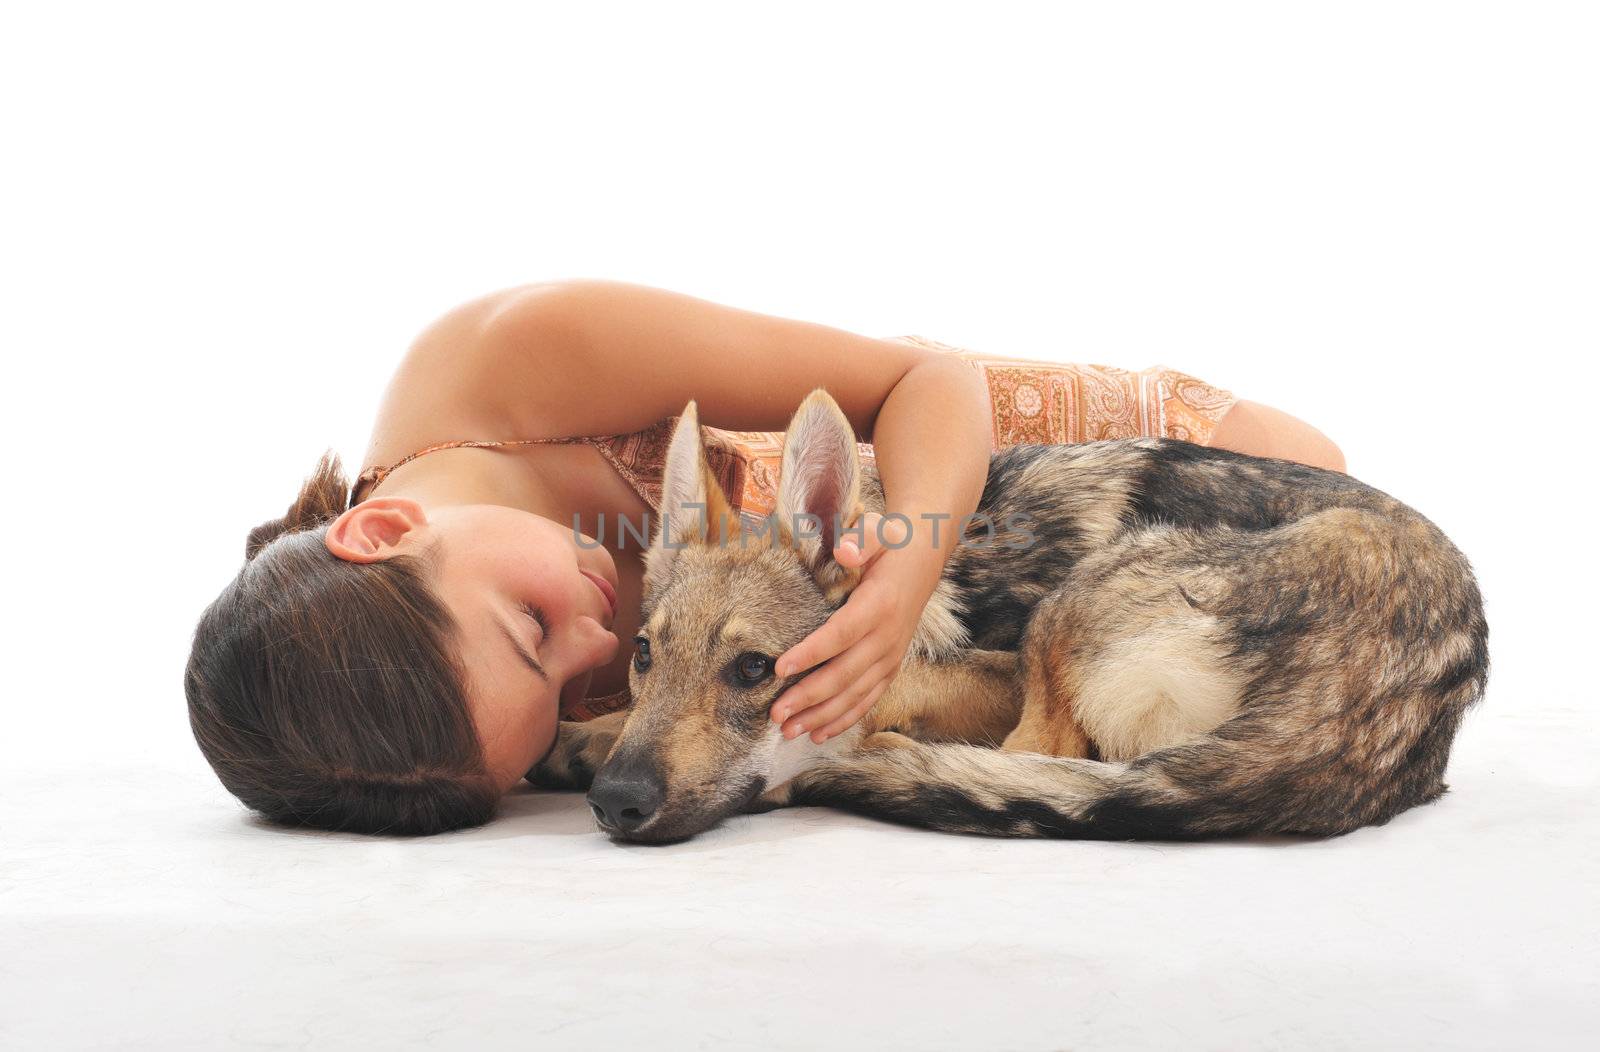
x=883, y=740
x=579, y=751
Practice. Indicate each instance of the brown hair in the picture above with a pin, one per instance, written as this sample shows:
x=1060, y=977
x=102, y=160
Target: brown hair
x=327, y=693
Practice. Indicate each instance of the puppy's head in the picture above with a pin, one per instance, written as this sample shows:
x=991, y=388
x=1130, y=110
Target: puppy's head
x=722, y=603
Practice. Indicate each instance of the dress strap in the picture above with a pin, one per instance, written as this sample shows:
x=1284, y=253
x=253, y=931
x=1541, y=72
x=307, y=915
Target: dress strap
x=372, y=476
x=589, y=708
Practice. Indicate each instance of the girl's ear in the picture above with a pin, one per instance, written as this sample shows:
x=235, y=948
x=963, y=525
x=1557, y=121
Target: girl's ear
x=375, y=529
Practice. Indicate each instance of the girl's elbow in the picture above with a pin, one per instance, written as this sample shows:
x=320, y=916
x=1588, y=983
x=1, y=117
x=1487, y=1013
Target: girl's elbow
x=1262, y=431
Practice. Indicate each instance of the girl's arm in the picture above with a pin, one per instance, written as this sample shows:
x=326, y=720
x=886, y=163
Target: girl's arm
x=600, y=358
x=595, y=358
x=1262, y=431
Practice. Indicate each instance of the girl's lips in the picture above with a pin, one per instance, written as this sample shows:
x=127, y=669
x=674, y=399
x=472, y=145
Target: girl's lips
x=608, y=592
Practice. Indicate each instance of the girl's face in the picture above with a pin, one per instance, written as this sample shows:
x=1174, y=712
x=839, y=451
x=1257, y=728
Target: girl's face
x=534, y=608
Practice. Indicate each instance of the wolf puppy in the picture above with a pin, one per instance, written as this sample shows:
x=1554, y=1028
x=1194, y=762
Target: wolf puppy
x=1159, y=640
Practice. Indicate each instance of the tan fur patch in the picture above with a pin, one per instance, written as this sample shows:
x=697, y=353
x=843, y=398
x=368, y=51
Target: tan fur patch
x=1160, y=686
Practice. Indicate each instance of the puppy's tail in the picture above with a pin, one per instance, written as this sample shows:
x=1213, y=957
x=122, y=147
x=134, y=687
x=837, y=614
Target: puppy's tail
x=1241, y=779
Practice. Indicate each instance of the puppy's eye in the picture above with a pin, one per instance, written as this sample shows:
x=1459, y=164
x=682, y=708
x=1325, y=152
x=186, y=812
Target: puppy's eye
x=751, y=668
x=641, y=654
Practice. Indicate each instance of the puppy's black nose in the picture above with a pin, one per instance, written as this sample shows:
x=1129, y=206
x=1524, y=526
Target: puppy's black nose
x=624, y=801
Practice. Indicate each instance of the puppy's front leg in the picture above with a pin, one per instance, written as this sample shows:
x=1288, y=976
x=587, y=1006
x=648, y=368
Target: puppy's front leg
x=971, y=697
x=579, y=751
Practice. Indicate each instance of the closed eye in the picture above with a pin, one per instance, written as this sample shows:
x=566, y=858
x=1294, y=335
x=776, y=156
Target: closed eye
x=514, y=638
x=534, y=614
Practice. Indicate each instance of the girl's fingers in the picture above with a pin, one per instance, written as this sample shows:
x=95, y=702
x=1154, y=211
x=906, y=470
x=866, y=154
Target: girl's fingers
x=876, y=533
x=825, y=713
x=832, y=710
x=852, y=715
x=854, y=547
x=794, y=709
x=838, y=634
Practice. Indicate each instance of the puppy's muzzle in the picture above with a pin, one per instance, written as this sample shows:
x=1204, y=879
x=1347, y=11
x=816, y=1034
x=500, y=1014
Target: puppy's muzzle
x=625, y=797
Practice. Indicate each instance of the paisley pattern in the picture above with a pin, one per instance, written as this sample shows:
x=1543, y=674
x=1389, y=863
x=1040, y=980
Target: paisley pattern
x=1051, y=404
x=1032, y=402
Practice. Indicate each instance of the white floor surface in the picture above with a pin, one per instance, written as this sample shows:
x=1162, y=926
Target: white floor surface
x=142, y=909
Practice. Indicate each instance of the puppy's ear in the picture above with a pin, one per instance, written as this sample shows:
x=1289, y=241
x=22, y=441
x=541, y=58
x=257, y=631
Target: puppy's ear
x=694, y=510
x=819, y=492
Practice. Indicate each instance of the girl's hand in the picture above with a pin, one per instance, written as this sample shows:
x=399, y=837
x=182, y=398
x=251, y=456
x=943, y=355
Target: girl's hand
x=865, y=640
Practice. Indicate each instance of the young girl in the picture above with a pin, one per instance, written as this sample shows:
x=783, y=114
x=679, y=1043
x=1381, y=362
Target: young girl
x=394, y=657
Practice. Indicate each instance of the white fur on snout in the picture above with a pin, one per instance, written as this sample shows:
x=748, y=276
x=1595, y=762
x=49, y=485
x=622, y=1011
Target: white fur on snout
x=784, y=758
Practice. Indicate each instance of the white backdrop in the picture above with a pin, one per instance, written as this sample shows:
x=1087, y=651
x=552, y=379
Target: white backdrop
x=222, y=224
